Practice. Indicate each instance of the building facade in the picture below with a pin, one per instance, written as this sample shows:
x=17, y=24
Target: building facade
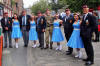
x=1, y=8
x=18, y=7
x=7, y=6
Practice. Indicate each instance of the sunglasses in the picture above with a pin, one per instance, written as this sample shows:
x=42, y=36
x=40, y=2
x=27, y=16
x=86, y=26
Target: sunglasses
x=67, y=10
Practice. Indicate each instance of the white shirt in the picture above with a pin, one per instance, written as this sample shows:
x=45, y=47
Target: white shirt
x=85, y=16
x=5, y=20
x=23, y=20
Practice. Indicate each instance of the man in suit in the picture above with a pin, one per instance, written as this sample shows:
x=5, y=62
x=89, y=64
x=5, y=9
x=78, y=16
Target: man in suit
x=7, y=28
x=41, y=25
x=87, y=26
x=68, y=28
x=25, y=26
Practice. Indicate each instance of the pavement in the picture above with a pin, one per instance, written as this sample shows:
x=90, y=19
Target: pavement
x=37, y=57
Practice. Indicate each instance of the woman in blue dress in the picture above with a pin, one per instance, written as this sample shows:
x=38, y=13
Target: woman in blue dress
x=57, y=35
x=16, y=32
x=75, y=40
x=32, y=33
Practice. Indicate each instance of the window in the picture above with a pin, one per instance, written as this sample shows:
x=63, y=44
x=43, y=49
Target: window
x=1, y=11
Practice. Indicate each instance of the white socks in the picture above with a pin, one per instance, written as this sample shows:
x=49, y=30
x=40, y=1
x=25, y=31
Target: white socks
x=76, y=56
x=59, y=47
x=16, y=45
x=79, y=55
x=34, y=46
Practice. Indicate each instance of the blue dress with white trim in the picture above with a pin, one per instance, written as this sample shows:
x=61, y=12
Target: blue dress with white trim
x=57, y=35
x=16, y=32
x=75, y=40
x=32, y=33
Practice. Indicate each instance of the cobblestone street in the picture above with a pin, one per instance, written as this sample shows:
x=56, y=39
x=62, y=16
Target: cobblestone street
x=31, y=19
x=37, y=57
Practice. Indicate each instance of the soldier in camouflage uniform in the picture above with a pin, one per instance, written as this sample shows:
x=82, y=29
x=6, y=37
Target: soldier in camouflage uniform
x=49, y=29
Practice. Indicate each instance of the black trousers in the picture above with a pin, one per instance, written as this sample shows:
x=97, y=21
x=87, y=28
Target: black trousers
x=88, y=48
x=25, y=37
x=67, y=36
x=41, y=39
x=97, y=34
x=7, y=35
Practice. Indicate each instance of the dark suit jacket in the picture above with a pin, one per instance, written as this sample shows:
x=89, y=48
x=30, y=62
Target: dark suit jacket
x=27, y=22
x=41, y=25
x=9, y=24
x=68, y=24
x=87, y=29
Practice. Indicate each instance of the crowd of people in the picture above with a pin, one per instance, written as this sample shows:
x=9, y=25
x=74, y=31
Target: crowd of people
x=78, y=31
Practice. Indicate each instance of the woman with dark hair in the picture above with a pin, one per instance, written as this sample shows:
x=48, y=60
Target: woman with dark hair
x=57, y=35
x=75, y=40
x=16, y=32
x=32, y=33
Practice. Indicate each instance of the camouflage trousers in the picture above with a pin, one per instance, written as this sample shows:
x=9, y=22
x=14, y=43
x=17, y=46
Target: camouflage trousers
x=48, y=35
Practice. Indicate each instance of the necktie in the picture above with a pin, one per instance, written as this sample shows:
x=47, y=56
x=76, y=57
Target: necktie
x=23, y=20
x=5, y=20
x=85, y=16
x=66, y=18
x=38, y=20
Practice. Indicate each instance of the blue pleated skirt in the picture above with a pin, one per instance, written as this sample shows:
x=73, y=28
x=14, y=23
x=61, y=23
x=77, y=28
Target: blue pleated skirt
x=57, y=35
x=75, y=40
x=16, y=32
x=33, y=34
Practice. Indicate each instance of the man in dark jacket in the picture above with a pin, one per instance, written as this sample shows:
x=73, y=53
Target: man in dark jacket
x=7, y=28
x=96, y=28
x=24, y=20
x=68, y=28
x=41, y=25
x=87, y=26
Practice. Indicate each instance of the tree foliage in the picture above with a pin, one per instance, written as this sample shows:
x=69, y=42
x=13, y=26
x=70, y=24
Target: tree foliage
x=59, y=5
x=13, y=2
x=42, y=5
x=74, y=5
